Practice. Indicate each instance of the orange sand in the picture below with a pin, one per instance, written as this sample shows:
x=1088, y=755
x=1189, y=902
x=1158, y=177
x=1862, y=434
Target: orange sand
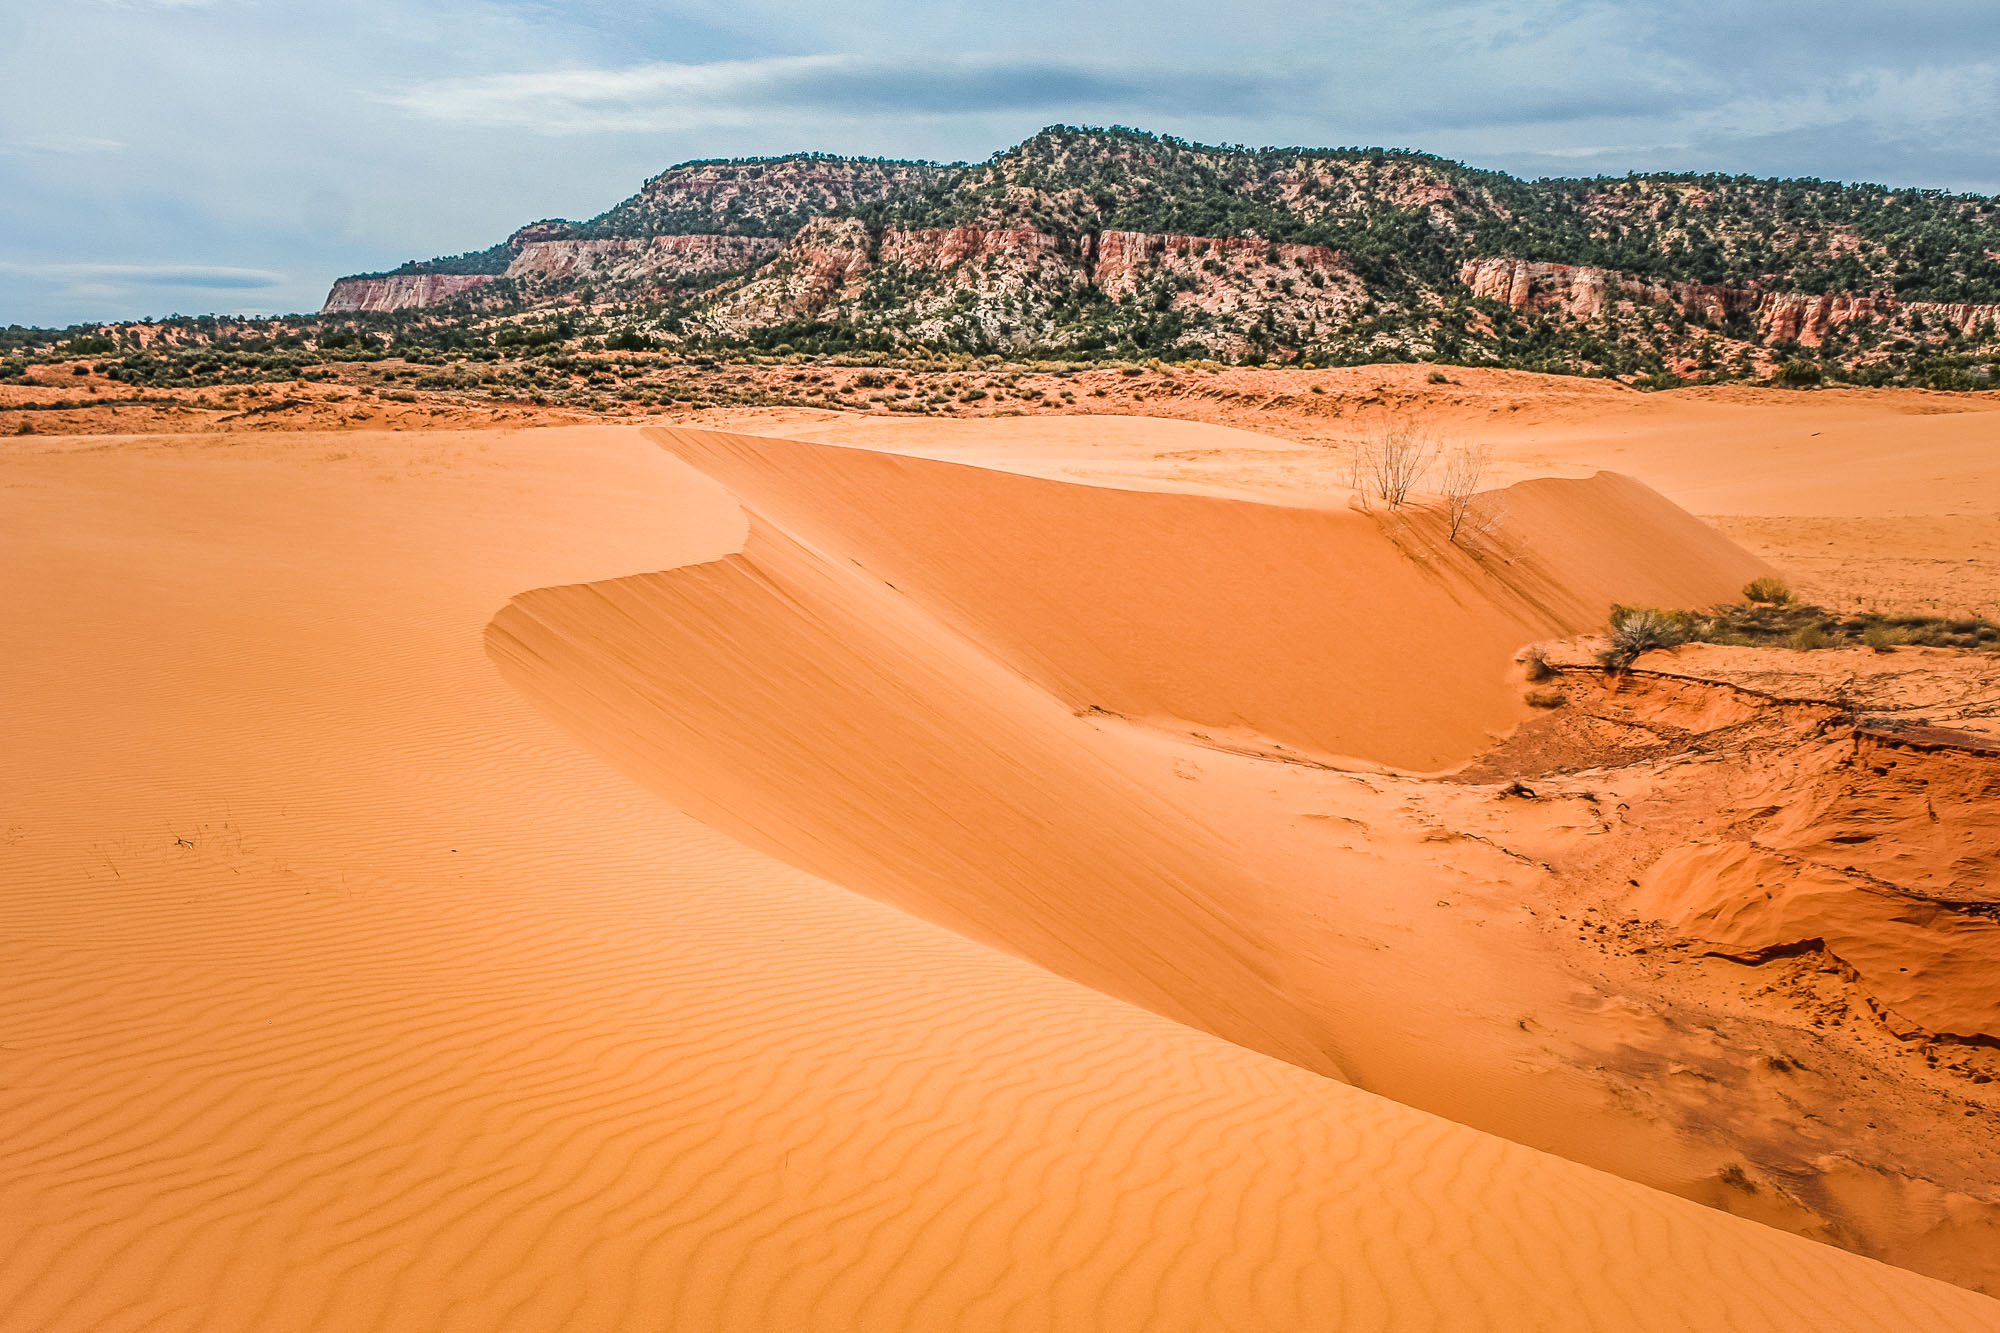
x=341, y=990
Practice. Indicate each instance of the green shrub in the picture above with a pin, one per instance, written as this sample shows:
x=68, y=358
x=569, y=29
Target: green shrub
x=1797, y=375
x=1640, y=629
x=1811, y=637
x=1767, y=590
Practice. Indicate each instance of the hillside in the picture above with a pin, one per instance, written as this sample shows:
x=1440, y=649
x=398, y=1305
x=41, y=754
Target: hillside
x=1119, y=244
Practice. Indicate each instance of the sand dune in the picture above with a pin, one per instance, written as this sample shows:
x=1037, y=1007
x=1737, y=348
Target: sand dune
x=1333, y=632
x=924, y=688
x=339, y=990
x=890, y=702
x=1885, y=495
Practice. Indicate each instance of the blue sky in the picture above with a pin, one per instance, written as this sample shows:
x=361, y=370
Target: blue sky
x=238, y=155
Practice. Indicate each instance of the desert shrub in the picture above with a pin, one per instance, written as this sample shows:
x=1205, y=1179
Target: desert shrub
x=1767, y=590
x=1546, y=698
x=1811, y=637
x=1880, y=637
x=1535, y=665
x=1437, y=377
x=1797, y=375
x=1640, y=629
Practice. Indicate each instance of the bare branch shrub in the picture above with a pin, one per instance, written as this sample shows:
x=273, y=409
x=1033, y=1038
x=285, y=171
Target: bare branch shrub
x=1360, y=470
x=1397, y=459
x=1464, y=468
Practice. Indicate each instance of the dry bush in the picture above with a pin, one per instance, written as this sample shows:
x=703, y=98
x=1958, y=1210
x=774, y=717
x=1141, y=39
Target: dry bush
x=1395, y=461
x=1463, y=469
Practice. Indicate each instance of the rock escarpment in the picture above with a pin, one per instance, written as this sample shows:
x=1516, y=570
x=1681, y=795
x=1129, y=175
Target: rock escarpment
x=543, y=264
x=1120, y=243
x=993, y=285
x=399, y=291
x=1582, y=292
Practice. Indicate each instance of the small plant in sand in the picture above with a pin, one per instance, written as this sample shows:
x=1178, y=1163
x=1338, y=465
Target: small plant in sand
x=1463, y=469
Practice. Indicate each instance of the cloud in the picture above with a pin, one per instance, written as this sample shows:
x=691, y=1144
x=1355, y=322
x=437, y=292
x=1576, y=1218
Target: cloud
x=105, y=276
x=62, y=145
x=664, y=96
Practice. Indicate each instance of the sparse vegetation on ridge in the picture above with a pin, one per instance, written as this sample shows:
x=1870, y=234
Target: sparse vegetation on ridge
x=1337, y=256
x=1769, y=618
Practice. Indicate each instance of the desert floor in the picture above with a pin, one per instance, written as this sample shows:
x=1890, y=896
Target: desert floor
x=775, y=869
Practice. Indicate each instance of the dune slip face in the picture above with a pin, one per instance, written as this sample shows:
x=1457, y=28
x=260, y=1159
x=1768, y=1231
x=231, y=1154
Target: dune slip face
x=339, y=990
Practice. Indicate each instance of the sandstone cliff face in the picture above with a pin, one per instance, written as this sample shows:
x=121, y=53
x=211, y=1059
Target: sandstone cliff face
x=1585, y=293
x=539, y=263
x=543, y=260
x=949, y=247
x=400, y=291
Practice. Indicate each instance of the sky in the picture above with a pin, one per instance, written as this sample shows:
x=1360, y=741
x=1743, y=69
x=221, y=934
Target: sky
x=235, y=156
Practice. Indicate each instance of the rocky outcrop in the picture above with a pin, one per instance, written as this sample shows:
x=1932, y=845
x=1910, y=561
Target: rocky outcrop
x=1120, y=259
x=824, y=263
x=1584, y=293
x=772, y=197
x=1230, y=282
x=997, y=284
x=399, y=291
x=539, y=263
x=948, y=247
x=1968, y=319
x=545, y=260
